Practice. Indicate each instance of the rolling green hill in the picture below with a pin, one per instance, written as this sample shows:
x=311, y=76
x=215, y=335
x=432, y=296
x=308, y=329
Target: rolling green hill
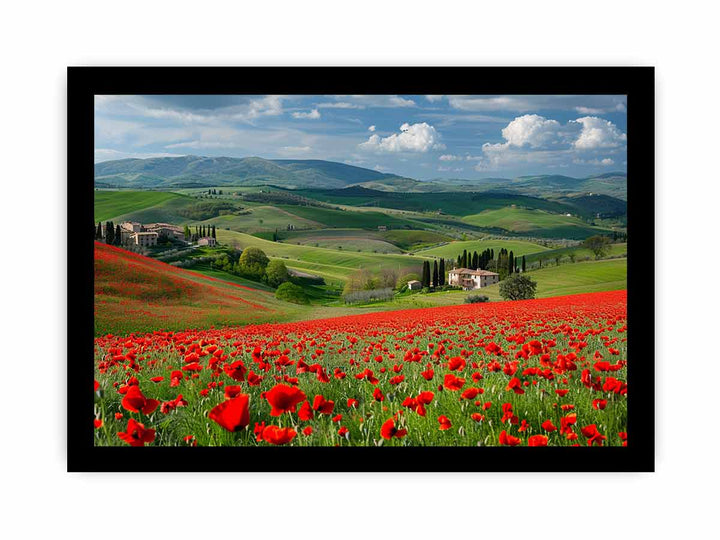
x=224, y=171
x=110, y=204
x=534, y=223
x=453, y=249
x=333, y=265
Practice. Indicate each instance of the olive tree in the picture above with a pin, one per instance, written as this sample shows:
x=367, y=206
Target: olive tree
x=518, y=287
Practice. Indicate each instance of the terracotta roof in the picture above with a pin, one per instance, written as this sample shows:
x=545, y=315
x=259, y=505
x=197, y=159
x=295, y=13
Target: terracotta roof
x=473, y=272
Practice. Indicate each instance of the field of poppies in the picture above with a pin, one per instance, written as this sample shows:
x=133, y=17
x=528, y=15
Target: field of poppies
x=548, y=372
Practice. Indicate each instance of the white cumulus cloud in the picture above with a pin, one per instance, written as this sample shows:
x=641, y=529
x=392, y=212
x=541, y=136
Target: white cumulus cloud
x=598, y=133
x=312, y=115
x=371, y=128
x=420, y=137
x=532, y=130
x=450, y=157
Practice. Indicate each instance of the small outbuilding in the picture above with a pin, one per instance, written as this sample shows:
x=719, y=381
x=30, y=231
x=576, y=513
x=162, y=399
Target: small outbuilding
x=414, y=285
x=207, y=241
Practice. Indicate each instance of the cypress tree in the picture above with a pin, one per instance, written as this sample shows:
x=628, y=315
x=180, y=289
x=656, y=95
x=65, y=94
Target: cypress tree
x=441, y=273
x=511, y=263
x=523, y=264
x=98, y=231
x=118, y=236
x=214, y=233
x=436, y=278
x=426, y=274
x=109, y=233
x=464, y=259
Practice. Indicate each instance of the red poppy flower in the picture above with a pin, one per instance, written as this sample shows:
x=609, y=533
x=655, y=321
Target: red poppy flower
x=277, y=435
x=428, y=374
x=307, y=431
x=97, y=385
x=135, y=401
x=599, y=404
x=593, y=435
x=97, y=423
x=283, y=398
x=232, y=391
x=352, y=403
x=343, y=431
x=323, y=406
x=175, y=378
x=232, y=414
x=537, y=440
x=456, y=363
x=515, y=385
x=470, y=393
x=444, y=422
x=452, y=382
x=378, y=395
x=425, y=397
x=508, y=440
x=136, y=435
x=562, y=393
x=566, y=423
x=236, y=370
x=157, y=379
x=388, y=430
x=477, y=417
x=305, y=413
x=547, y=425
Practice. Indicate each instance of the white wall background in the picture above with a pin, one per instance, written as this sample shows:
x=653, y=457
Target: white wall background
x=38, y=40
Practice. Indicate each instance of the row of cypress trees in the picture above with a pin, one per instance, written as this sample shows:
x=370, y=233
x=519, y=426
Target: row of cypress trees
x=507, y=263
x=436, y=278
x=113, y=236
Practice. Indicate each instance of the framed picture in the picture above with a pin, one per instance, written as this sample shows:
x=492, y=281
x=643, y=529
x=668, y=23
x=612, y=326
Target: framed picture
x=361, y=269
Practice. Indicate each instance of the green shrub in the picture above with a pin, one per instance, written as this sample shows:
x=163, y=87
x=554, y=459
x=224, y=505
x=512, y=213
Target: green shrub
x=276, y=273
x=476, y=299
x=291, y=293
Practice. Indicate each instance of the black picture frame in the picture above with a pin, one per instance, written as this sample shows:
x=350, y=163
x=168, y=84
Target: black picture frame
x=637, y=83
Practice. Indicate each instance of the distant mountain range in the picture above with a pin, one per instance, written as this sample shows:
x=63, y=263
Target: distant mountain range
x=196, y=171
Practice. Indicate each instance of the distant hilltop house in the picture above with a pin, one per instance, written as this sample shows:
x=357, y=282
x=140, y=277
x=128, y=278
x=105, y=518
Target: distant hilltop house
x=471, y=279
x=207, y=241
x=414, y=285
x=171, y=231
x=137, y=234
x=382, y=228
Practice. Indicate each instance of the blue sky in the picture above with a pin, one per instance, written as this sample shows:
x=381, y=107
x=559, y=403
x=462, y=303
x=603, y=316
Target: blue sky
x=418, y=136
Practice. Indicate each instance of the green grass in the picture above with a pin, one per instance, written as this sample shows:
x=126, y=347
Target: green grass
x=534, y=223
x=111, y=204
x=453, y=249
x=410, y=240
x=616, y=250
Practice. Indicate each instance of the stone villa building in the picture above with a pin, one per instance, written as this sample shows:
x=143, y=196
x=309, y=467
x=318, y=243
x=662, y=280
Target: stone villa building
x=471, y=279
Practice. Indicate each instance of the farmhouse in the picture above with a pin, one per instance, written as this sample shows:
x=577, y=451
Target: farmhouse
x=471, y=279
x=166, y=229
x=144, y=238
x=414, y=285
x=207, y=241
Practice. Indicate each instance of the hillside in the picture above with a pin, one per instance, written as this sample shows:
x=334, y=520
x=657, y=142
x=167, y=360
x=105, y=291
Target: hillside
x=196, y=171
x=134, y=293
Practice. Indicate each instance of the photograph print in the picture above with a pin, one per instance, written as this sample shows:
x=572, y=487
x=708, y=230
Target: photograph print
x=398, y=272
